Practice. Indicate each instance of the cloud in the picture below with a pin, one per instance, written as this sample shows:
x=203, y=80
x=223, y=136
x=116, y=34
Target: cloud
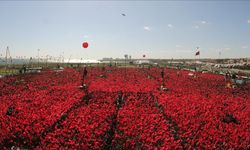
x=147, y=28
x=248, y=21
x=203, y=22
x=170, y=26
x=196, y=27
x=178, y=46
x=244, y=47
x=199, y=24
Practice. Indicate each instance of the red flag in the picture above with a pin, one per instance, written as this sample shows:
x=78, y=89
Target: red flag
x=197, y=53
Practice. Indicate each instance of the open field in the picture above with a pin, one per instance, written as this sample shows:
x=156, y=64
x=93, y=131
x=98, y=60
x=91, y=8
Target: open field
x=123, y=108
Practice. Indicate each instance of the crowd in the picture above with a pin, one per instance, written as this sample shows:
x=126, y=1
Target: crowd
x=123, y=109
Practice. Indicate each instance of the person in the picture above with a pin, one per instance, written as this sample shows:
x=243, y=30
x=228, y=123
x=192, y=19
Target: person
x=228, y=84
x=227, y=79
x=10, y=111
x=227, y=76
x=24, y=68
x=86, y=90
x=162, y=73
x=178, y=73
x=119, y=100
x=162, y=76
x=85, y=73
x=233, y=78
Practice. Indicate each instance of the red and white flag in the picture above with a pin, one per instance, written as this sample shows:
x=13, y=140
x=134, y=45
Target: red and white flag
x=197, y=53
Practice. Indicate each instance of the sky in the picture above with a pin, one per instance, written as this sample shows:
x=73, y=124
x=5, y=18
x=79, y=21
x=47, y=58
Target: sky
x=157, y=29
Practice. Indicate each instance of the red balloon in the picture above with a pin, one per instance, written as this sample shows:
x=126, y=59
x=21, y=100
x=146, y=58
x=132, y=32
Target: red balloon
x=85, y=44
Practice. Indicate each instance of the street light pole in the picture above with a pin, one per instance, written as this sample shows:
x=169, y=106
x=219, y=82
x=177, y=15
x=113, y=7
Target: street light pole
x=38, y=56
x=126, y=56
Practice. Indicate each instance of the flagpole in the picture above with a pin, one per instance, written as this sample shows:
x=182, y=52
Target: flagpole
x=195, y=59
x=199, y=56
x=197, y=53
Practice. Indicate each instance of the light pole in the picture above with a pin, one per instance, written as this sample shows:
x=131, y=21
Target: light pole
x=126, y=56
x=38, y=56
x=47, y=57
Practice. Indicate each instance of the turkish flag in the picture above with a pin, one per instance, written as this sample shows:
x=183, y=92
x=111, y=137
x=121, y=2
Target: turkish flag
x=197, y=53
